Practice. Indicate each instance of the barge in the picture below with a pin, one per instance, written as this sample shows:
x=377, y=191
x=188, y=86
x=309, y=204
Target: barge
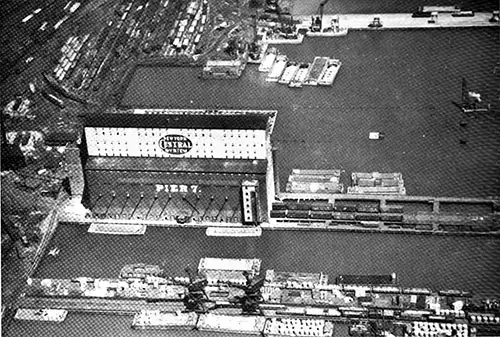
x=117, y=229
x=268, y=60
x=46, y=315
x=156, y=319
x=377, y=183
x=318, y=67
x=228, y=270
x=331, y=70
x=277, y=68
x=300, y=76
x=289, y=72
x=231, y=324
x=234, y=231
x=140, y=271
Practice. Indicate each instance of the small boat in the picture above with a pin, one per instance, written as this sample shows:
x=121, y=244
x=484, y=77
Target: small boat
x=300, y=76
x=329, y=74
x=289, y=73
x=376, y=135
x=277, y=69
x=268, y=60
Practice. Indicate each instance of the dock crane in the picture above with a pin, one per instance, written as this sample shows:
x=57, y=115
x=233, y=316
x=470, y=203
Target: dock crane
x=317, y=23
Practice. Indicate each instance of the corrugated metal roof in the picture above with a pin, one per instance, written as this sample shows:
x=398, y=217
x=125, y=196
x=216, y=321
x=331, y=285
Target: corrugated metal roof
x=123, y=120
x=199, y=165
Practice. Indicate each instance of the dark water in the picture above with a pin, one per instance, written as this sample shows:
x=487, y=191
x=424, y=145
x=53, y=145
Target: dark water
x=402, y=83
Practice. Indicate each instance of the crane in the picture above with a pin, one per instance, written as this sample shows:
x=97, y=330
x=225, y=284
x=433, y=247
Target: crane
x=317, y=24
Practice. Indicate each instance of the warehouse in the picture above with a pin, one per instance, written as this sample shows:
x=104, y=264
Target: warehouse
x=179, y=165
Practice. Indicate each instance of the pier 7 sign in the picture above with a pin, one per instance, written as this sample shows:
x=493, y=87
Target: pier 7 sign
x=175, y=144
x=177, y=188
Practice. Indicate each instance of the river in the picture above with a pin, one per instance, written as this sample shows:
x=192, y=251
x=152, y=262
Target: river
x=401, y=82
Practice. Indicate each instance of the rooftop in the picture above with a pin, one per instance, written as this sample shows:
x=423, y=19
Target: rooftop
x=191, y=121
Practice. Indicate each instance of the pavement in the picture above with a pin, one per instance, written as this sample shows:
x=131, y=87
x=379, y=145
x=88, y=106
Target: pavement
x=403, y=20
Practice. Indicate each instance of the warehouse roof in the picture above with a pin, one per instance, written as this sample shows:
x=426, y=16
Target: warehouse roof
x=185, y=121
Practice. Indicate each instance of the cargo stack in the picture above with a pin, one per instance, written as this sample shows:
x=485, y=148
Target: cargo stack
x=377, y=183
x=314, y=181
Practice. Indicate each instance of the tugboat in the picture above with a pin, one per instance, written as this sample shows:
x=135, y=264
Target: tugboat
x=376, y=23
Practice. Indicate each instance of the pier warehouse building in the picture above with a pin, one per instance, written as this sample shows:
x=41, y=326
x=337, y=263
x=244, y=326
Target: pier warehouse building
x=179, y=165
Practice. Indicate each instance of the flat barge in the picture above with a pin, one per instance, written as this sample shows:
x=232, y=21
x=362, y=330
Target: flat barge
x=277, y=68
x=268, y=60
x=117, y=229
x=318, y=67
x=45, y=315
x=300, y=76
x=231, y=324
x=156, y=319
x=289, y=72
x=331, y=70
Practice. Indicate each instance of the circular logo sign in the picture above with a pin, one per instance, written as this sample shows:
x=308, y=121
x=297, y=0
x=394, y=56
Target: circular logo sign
x=175, y=144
